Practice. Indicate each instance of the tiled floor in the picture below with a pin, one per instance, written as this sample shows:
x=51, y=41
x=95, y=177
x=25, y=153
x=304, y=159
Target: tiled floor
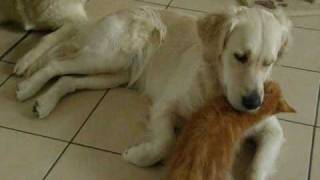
x=83, y=137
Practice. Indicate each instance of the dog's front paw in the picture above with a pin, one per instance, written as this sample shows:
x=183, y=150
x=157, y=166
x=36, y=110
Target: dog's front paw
x=23, y=91
x=141, y=155
x=43, y=107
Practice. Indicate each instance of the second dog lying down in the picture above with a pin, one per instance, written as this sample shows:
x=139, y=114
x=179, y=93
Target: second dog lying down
x=206, y=147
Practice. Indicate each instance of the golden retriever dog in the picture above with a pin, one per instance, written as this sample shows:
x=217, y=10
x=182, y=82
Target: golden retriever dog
x=60, y=16
x=179, y=62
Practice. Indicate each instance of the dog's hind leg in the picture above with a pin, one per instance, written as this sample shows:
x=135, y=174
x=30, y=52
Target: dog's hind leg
x=68, y=84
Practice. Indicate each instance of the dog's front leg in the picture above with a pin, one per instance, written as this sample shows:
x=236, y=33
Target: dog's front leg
x=161, y=140
x=269, y=136
x=45, y=43
x=67, y=84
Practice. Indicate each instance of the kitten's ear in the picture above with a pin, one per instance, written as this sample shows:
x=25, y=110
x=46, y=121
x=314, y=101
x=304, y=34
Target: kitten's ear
x=284, y=107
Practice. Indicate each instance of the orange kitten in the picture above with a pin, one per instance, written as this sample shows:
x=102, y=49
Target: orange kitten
x=206, y=147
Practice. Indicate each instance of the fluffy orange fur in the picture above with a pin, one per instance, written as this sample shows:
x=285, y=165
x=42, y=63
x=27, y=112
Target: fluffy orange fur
x=206, y=146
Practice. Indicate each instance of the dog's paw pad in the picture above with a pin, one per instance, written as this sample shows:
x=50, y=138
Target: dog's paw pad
x=35, y=109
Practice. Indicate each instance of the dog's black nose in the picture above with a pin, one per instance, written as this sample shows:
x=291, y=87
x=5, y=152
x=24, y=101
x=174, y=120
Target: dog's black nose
x=252, y=101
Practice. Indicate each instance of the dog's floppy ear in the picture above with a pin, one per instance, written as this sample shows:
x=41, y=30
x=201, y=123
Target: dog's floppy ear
x=214, y=30
x=286, y=29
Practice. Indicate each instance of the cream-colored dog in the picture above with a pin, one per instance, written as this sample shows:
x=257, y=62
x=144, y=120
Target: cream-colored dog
x=178, y=62
x=59, y=15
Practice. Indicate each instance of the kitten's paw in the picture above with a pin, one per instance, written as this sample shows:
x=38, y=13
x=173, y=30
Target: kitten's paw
x=43, y=107
x=141, y=155
x=23, y=91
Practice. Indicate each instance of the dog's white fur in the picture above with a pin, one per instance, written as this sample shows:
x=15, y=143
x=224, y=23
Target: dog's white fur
x=61, y=16
x=160, y=53
x=41, y=14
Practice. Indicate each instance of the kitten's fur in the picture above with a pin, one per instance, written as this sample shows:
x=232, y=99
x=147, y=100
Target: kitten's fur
x=206, y=147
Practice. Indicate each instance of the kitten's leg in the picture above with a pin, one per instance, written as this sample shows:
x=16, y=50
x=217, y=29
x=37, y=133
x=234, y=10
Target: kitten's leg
x=68, y=84
x=162, y=138
x=269, y=136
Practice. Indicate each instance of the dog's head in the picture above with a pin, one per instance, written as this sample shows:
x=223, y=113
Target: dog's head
x=242, y=46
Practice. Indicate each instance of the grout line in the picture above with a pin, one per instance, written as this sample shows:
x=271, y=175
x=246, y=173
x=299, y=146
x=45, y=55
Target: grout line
x=95, y=148
x=34, y=134
x=14, y=45
x=317, y=110
x=297, y=68
x=2, y=83
x=56, y=161
x=314, y=136
x=154, y=3
x=93, y=110
x=74, y=136
x=300, y=123
x=306, y=28
x=169, y=4
x=195, y=10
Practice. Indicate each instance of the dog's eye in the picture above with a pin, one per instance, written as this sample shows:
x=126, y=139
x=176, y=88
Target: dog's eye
x=267, y=63
x=243, y=58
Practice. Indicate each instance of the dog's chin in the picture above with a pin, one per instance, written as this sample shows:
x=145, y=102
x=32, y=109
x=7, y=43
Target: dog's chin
x=252, y=110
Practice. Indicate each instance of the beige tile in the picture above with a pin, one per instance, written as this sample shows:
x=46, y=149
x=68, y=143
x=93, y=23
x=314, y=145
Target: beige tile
x=187, y=12
x=315, y=173
x=117, y=123
x=5, y=70
x=294, y=158
x=99, y=8
x=301, y=8
x=204, y=5
x=79, y=163
x=301, y=89
x=9, y=37
x=26, y=45
x=307, y=22
x=26, y=157
x=305, y=50
x=64, y=121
